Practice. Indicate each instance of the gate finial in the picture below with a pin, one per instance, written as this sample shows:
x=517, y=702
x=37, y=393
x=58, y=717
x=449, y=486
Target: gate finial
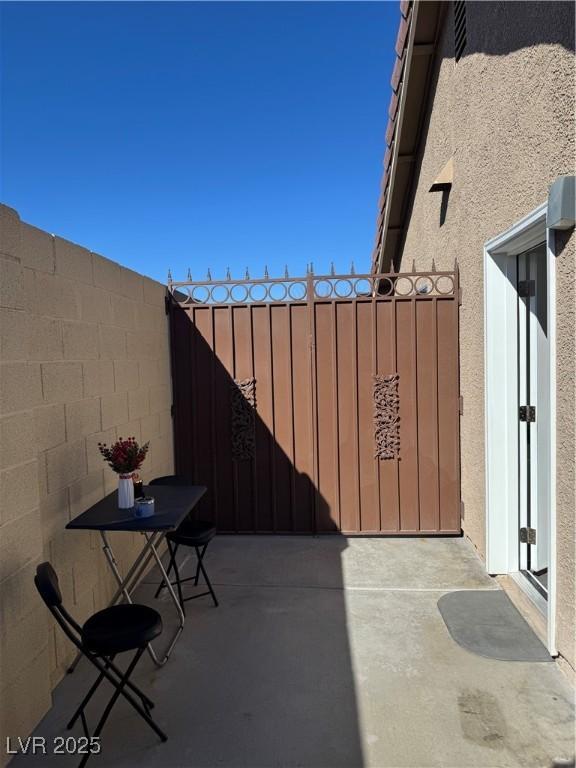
x=433, y=266
x=286, y=275
x=352, y=270
x=209, y=275
x=228, y=275
x=266, y=275
x=413, y=265
x=332, y=270
x=392, y=267
x=189, y=275
x=247, y=275
x=311, y=267
x=169, y=275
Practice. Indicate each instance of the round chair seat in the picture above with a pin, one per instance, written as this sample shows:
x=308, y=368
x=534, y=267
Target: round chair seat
x=121, y=628
x=193, y=534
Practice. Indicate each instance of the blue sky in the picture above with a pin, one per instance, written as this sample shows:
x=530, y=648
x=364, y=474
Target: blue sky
x=199, y=134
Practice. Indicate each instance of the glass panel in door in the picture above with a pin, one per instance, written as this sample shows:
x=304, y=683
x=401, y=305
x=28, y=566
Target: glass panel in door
x=534, y=417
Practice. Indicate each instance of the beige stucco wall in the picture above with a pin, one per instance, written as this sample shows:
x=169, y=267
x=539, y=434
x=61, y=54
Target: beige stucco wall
x=84, y=357
x=566, y=443
x=505, y=113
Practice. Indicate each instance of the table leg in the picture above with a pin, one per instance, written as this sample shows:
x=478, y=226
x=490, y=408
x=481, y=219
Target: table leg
x=149, y=550
x=133, y=576
x=127, y=584
x=172, y=595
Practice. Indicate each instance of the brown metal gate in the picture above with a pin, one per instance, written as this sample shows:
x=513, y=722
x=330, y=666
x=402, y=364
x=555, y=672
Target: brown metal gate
x=327, y=403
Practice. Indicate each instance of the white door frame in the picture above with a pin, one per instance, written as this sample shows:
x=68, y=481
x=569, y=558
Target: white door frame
x=501, y=398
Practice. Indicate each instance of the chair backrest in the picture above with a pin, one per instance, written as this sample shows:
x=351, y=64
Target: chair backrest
x=171, y=480
x=46, y=582
x=47, y=585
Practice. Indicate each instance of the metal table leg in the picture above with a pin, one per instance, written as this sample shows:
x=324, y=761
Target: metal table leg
x=137, y=570
x=149, y=550
x=127, y=584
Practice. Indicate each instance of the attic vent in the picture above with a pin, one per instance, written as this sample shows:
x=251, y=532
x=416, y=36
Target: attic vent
x=459, y=28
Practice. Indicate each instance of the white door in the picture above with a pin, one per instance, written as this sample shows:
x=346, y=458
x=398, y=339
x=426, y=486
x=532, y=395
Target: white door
x=533, y=417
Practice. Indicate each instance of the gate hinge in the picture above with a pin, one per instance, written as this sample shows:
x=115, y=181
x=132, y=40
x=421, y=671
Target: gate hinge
x=527, y=535
x=527, y=413
x=526, y=288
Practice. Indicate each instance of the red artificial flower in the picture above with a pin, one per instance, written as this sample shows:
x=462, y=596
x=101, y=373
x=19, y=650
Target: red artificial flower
x=124, y=456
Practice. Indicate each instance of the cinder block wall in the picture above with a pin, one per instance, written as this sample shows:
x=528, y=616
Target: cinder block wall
x=84, y=357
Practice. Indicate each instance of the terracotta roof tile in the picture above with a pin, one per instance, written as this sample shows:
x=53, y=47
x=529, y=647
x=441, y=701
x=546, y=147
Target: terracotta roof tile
x=393, y=107
x=390, y=131
x=397, y=71
x=387, y=157
x=384, y=182
x=401, y=38
x=395, y=82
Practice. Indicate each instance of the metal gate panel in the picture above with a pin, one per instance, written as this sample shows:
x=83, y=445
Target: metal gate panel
x=367, y=463
x=265, y=513
x=408, y=462
x=427, y=404
x=303, y=516
x=310, y=411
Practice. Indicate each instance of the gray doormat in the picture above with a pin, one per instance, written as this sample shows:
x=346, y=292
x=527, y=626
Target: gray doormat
x=486, y=622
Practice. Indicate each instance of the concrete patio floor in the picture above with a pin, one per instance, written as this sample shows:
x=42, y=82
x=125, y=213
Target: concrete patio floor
x=330, y=652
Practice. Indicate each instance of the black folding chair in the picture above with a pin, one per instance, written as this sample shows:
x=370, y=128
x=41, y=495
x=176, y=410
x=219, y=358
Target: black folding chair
x=190, y=533
x=120, y=628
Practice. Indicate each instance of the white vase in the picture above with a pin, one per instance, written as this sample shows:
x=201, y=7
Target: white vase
x=125, y=492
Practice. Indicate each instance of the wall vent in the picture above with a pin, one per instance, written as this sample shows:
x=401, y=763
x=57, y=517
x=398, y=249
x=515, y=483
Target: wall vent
x=459, y=28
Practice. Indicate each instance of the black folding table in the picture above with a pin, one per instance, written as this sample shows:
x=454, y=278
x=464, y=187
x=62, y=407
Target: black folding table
x=172, y=504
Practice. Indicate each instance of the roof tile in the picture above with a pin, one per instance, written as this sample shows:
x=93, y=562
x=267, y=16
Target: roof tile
x=397, y=71
x=395, y=82
x=384, y=182
x=402, y=36
x=393, y=106
x=387, y=157
x=390, y=131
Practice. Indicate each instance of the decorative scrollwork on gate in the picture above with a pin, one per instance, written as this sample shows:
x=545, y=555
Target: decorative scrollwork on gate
x=243, y=419
x=387, y=416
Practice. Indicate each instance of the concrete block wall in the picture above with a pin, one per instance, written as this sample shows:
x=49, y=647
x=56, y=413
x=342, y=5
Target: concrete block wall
x=84, y=357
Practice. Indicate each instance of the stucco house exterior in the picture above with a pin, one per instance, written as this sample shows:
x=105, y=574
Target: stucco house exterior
x=479, y=170
x=480, y=130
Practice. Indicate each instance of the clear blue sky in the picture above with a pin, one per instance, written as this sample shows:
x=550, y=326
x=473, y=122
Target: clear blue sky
x=199, y=134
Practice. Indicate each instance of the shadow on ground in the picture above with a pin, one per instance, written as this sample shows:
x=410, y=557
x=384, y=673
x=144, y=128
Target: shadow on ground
x=330, y=652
